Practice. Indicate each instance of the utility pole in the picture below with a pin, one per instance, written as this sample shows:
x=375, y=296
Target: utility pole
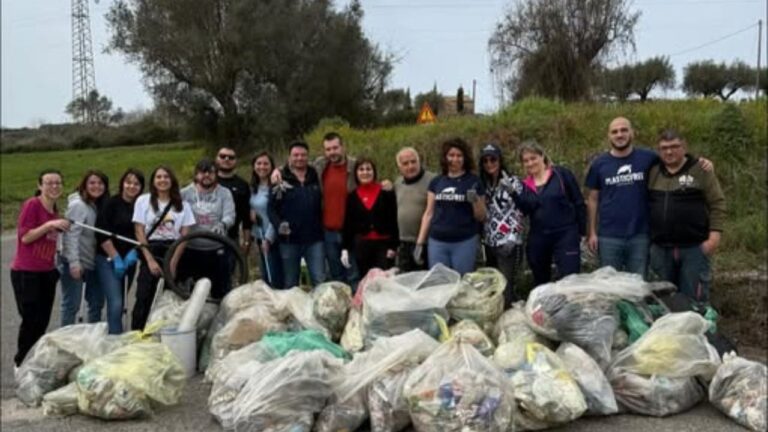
x=83, y=74
x=474, y=100
x=759, y=52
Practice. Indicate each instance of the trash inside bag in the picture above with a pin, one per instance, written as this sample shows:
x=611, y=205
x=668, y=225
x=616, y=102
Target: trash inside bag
x=513, y=334
x=61, y=402
x=169, y=308
x=348, y=415
x=471, y=333
x=458, y=389
x=591, y=379
x=245, y=327
x=53, y=357
x=285, y=393
x=393, y=306
x=480, y=298
x=352, y=339
x=387, y=404
x=581, y=308
x=305, y=340
x=545, y=392
x=130, y=382
x=632, y=320
x=739, y=390
x=331, y=302
x=656, y=395
x=374, y=273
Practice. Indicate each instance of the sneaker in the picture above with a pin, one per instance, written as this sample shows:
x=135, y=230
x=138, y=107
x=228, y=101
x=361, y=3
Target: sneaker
x=15, y=372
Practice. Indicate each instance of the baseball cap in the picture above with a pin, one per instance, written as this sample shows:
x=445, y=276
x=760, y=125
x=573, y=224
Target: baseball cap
x=205, y=165
x=490, y=149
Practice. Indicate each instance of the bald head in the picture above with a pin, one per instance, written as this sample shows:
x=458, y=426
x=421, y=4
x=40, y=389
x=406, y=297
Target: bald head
x=620, y=134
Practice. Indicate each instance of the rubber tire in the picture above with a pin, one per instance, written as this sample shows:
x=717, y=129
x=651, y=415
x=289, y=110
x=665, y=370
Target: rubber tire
x=170, y=282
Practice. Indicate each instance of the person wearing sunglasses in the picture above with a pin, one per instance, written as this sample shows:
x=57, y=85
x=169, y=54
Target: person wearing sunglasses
x=226, y=162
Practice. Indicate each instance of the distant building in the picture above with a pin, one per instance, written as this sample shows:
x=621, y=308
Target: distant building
x=448, y=108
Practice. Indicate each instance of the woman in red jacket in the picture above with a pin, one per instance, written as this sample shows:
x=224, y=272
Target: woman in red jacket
x=370, y=222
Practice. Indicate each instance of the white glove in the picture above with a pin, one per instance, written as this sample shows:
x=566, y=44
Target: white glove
x=219, y=229
x=512, y=184
x=345, y=258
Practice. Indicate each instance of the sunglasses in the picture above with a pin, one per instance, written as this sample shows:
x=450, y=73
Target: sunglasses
x=227, y=157
x=490, y=160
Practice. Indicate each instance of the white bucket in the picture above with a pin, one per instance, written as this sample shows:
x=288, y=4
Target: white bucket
x=183, y=345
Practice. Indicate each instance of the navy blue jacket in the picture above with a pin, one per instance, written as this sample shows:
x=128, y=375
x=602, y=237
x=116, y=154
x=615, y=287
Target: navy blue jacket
x=301, y=206
x=558, y=205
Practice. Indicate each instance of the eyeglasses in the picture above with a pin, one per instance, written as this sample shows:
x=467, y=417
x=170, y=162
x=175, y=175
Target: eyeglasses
x=622, y=130
x=227, y=157
x=672, y=147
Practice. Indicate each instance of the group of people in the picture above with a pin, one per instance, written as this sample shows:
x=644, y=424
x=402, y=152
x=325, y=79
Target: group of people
x=336, y=215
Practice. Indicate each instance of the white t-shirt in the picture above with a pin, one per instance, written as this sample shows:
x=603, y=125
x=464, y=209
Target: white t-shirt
x=170, y=227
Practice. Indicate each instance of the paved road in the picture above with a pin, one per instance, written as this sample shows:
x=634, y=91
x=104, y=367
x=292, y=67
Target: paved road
x=192, y=414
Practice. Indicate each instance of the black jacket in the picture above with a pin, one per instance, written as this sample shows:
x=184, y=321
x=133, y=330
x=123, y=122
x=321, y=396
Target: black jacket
x=382, y=218
x=241, y=194
x=116, y=216
x=301, y=206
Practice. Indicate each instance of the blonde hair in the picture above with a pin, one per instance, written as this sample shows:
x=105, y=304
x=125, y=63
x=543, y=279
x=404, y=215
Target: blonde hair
x=532, y=146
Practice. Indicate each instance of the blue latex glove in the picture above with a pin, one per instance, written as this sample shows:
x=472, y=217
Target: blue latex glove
x=131, y=258
x=118, y=266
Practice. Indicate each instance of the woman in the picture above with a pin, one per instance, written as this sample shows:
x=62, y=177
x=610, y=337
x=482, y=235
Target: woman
x=503, y=228
x=116, y=259
x=77, y=261
x=552, y=199
x=455, y=210
x=159, y=217
x=263, y=231
x=370, y=222
x=33, y=270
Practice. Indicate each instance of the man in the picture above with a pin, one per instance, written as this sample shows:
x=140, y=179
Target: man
x=687, y=214
x=214, y=211
x=295, y=208
x=411, y=191
x=226, y=160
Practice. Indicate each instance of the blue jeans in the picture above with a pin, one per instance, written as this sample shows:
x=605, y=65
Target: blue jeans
x=686, y=267
x=628, y=255
x=332, y=245
x=313, y=254
x=72, y=290
x=114, y=293
x=459, y=256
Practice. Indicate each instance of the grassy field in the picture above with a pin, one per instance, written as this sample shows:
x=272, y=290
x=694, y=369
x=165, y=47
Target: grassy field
x=20, y=170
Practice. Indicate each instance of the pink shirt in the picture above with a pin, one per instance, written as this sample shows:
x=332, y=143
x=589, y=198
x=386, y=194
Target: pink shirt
x=37, y=256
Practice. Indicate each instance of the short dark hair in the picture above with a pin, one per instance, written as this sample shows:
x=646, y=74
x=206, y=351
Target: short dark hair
x=134, y=172
x=365, y=160
x=301, y=144
x=669, y=135
x=205, y=165
x=463, y=147
x=330, y=136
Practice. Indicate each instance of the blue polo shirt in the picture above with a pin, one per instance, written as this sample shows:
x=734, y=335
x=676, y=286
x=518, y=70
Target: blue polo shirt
x=453, y=219
x=623, y=185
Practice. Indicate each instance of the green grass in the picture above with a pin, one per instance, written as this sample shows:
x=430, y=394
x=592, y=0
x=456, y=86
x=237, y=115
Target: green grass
x=20, y=170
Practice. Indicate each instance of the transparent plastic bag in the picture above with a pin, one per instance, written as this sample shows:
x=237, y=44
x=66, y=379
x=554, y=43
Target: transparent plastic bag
x=739, y=389
x=330, y=303
x=591, y=379
x=53, y=357
x=295, y=307
x=393, y=306
x=352, y=339
x=513, y=334
x=348, y=415
x=130, y=381
x=169, y=308
x=470, y=332
x=357, y=300
x=285, y=393
x=656, y=395
x=480, y=298
x=545, y=392
x=386, y=401
x=61, y=402
x=581, y=308
x=245, y=327
x=458, y=389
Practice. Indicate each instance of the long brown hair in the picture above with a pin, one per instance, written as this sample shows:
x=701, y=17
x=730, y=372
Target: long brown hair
x=174, y=193
x=82, y=188
x=463, y=147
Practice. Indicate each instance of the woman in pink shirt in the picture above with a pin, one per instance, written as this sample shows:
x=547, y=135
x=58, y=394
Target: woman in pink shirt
x=33, y=271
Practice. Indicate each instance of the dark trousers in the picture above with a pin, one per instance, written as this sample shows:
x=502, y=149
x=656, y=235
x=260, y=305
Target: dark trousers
x=146, y=286
x=372, y=253
x=562, y=246
x=405, y=262
x=212, y=264
x=509, y=261
x=34, y=293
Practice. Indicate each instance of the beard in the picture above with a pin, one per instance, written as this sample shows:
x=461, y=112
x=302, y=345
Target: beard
x=621, y=146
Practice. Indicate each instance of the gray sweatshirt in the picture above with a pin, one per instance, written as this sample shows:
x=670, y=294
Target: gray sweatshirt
x=78, y=245
x=211, y=209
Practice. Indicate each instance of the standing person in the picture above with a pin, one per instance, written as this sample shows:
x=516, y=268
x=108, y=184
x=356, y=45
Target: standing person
x=116, y=259
x=295, y=208
x=503, y=228
x=33, y=270
x=160, y=217
x=77, y=261
x=454, y=213
x=226, y=161
x=263, y=231
x=411, y=191
x=550, y=196
x=214, y=211
x=687, y=212
x=370, y=225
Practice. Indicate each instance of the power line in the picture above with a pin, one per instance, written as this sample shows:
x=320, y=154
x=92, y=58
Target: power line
x=712, y=42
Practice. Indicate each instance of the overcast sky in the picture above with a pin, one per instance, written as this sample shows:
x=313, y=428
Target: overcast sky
x=435, y=41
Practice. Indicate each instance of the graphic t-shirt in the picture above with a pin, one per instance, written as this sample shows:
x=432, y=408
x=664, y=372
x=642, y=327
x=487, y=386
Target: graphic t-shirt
x=37, y=256
x=453, y=219
x=170, y=227
x=623, y=185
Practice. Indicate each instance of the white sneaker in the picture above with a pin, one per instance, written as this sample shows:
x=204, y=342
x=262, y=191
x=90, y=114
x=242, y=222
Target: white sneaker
x=15, y=372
